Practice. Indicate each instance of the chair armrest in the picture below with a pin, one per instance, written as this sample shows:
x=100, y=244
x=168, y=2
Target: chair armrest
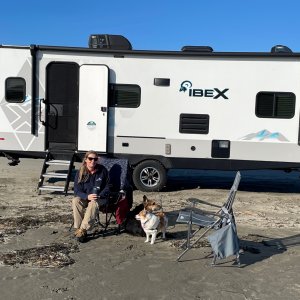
x=200, y=201
x=206, y=212
x=201, y=211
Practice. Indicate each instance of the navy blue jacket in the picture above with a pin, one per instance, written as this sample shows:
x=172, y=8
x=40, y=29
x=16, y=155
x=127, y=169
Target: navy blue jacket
x=100, y=178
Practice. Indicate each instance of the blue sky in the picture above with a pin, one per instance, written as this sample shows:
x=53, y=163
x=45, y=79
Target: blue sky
x=225, y=25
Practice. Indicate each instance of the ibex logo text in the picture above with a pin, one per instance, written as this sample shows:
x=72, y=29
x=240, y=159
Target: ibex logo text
x=214, y=93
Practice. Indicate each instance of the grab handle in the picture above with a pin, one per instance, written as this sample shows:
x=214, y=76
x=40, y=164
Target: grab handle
x=42, y=100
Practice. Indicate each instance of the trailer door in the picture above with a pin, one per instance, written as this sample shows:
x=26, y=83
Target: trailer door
x=93, y=99
x=62, y=106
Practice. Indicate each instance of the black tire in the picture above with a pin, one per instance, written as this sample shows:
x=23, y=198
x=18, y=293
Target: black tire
x=149, y=176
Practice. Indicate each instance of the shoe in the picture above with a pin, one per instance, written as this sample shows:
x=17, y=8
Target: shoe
x=81, y=235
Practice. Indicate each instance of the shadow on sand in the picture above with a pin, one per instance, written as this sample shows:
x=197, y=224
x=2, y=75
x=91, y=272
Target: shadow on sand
x=252, y=181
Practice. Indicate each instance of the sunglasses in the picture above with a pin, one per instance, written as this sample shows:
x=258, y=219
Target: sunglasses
x=92, y=158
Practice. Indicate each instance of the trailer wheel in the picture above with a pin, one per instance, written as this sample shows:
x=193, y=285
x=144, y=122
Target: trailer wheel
x=149, y=176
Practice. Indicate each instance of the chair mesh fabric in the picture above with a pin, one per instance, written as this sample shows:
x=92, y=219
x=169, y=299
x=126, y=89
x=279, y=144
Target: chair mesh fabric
x=117, y=205
x=118, y=172
x=197, y=219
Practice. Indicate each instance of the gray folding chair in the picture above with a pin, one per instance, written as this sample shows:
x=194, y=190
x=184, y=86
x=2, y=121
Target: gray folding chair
x=224, y=240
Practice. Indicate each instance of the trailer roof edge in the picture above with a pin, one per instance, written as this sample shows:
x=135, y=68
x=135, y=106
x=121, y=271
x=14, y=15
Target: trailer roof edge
x=156, y=52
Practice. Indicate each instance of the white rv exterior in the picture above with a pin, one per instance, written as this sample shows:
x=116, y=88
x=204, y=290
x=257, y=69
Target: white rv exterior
x=201, y=110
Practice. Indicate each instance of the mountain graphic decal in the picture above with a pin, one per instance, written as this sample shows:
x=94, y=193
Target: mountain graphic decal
x=265, y=135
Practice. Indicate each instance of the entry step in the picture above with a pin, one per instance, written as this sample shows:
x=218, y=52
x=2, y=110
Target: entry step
x=61, y=165
x=55, y=175
x=52, y=188
x=58, y=162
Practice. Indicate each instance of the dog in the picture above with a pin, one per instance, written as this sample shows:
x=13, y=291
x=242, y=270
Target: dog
x=151, y=205
x=131, y=224
x=152, y=223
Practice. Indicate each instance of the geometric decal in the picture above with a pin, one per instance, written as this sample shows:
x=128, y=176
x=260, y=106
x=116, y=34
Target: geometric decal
x=25, y=127
x=25, y=139
x=265, y=135
x=18, y=115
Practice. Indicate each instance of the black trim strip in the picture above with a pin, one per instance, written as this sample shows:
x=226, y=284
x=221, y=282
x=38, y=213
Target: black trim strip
x=33, y=51
x=209, y=163
x=142, y=137
x=181, y=163
x=229, y=164
x=172, y=53
x=15, y=47
x=161, y=53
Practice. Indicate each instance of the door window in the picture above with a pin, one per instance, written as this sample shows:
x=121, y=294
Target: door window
x=15, y=89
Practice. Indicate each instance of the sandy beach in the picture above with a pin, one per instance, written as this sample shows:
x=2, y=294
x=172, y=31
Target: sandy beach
x=39, y=259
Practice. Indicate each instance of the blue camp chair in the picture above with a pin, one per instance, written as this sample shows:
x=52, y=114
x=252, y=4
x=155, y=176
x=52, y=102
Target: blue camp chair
x=120, y=197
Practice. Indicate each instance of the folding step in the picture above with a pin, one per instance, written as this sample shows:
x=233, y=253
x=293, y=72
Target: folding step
x=58, y=162
x=62, y=163
x=55, y=175
x=52, y=188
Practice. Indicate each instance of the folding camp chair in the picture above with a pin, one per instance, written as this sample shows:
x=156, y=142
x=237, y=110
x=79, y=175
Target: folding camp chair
x=120, y=197
x=224, y=240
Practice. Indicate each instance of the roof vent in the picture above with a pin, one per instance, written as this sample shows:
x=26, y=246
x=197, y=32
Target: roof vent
x=109, y=41
x=197, y=49
x=281, y=49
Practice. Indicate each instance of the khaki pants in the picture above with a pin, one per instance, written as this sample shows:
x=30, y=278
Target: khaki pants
x=84, y=220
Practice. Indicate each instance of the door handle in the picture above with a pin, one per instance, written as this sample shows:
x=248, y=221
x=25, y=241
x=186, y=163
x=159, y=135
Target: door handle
x=103, y=108
x=42, y=100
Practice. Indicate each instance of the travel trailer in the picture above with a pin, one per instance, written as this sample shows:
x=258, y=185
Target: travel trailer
x=193, y=108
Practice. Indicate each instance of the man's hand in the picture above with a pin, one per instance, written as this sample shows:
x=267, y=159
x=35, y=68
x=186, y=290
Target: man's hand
x=92, y=197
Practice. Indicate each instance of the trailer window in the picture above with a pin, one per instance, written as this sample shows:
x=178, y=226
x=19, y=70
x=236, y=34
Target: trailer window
x=275, y=105
x=124, y=95
x=15, y=89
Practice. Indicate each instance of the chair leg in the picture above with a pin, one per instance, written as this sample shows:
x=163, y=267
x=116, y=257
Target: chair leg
x=213, y=263
x=98, y=223
x=186, y=250
x=106, y=223
x=71, y=227
x=188, y=240
x=192, y=234
x=118, y=230
x=194, y=242
x=238, y=259
x=106, y=220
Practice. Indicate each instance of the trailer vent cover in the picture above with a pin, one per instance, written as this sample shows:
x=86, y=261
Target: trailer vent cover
x=194, y=123
x=197, y=49
x=281, y=49
x=109, y=41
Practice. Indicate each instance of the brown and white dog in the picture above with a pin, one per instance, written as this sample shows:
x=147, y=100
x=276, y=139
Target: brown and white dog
x=152, y=220
x=151, y=205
